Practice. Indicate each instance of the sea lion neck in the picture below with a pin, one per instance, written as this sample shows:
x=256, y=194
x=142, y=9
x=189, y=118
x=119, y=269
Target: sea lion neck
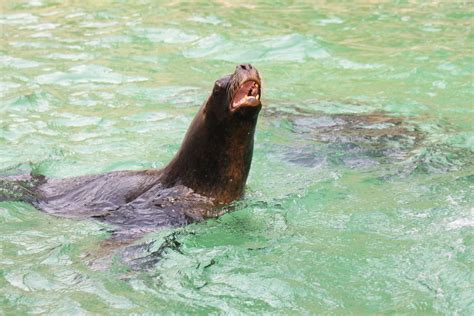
x=215, y=156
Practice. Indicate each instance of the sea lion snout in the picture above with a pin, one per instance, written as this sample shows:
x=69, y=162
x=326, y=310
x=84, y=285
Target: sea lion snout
x=244, y=66
x=246, y=72
x=246, y=87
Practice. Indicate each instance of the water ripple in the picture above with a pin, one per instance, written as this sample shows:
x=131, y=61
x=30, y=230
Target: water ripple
x=14, y=62
x=86, y=74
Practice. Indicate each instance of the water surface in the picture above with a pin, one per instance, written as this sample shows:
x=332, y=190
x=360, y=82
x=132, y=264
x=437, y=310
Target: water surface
x=337, y=218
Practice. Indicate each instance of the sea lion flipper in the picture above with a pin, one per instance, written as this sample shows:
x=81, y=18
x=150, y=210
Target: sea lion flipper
x=20, y=188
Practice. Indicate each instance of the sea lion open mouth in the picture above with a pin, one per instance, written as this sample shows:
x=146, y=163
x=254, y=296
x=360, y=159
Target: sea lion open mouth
x=248, y=94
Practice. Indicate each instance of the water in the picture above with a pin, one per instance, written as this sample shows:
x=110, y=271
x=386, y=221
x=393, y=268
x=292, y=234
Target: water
x=338, y=218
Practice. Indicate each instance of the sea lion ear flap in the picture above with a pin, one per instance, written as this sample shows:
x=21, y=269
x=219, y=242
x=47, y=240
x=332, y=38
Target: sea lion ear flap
x=217, y=102
x=222, y=83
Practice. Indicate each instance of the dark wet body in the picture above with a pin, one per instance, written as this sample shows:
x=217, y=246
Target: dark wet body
x=209, y=170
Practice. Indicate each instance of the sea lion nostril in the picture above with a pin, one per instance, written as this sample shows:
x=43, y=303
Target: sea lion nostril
x=244, y=67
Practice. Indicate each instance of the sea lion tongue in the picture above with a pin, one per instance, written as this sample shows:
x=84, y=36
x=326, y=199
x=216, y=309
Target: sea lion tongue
x=248, y=94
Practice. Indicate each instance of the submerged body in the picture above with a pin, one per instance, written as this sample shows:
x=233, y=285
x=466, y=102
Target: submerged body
x=209, y=170
x=357, y=141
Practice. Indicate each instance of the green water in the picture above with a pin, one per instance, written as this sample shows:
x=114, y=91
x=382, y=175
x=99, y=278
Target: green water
x=93, y=86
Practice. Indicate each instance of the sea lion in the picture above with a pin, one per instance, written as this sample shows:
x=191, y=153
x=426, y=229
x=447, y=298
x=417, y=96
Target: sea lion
x=210, y=169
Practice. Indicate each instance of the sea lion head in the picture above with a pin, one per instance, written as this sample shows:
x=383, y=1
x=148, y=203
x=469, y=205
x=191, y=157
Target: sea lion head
x=215, y=156
x=236, y=95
